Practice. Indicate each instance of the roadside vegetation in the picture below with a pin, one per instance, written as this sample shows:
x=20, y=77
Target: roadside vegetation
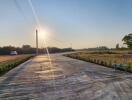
x=118, y=57
x=9, y=62
x=115, y=60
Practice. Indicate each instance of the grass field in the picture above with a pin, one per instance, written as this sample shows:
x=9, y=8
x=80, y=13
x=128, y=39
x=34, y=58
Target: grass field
x=120, y=60
x=9, y=62
x=8, y=57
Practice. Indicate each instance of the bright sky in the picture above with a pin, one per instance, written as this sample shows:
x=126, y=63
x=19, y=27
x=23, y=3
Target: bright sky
x=84, y=23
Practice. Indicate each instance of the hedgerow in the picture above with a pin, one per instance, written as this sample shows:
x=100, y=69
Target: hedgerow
x=104, y=62
x=6, y=66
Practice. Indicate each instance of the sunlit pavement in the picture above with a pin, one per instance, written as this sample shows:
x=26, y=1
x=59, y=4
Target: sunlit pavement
x=65, y=79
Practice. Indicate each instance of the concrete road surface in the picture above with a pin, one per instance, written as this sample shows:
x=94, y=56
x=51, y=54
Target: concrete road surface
x=64, y=79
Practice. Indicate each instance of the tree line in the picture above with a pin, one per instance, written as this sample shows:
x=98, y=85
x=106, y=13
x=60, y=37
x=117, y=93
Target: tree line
x=27, y=49
x=127, y=40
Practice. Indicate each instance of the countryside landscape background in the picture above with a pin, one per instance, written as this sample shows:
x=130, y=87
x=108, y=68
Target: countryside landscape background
x=65, y=50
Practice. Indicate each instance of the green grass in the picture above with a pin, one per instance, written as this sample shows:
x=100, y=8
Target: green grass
x=8, y=65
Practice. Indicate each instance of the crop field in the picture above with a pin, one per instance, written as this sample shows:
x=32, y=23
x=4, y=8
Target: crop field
x=124, y=61
x=9, y=58
x=9, y=62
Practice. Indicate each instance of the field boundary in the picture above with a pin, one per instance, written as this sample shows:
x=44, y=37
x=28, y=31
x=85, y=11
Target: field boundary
x=9, y=65
x=96, y=61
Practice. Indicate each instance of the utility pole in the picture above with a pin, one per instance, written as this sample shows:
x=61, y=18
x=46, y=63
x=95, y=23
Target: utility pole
x=36, y=42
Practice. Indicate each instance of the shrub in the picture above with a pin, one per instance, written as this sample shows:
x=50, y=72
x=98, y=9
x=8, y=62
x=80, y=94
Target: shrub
x=105, y=63
x=94, y=60
x=129, y=67
x=110, y=63
x=98, y=61
x=91, y=60
x=102, y=62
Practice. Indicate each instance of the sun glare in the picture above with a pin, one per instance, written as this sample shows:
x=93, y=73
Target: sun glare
x=44, y=33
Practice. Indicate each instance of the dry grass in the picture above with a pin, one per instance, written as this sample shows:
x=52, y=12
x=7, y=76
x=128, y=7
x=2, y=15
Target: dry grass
x=104, y=59
x=117, y=58
x=9, y=58
x=9, y=62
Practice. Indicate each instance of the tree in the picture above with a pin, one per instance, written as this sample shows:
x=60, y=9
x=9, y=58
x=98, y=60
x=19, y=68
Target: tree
x=26, y=46
x=103, y=48
x=128, y=40
x=117, y=46
x=27, y=49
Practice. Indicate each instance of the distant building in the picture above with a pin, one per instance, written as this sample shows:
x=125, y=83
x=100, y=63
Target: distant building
x=13, y=53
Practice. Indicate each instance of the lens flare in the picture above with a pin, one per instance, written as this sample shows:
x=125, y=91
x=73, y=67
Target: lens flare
x=44, y=33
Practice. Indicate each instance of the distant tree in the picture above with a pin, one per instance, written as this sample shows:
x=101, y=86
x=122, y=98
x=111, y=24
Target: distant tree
x=128, y=40
x=103, y=48
x=117, y=46
x=26, y=46
x=27, y=49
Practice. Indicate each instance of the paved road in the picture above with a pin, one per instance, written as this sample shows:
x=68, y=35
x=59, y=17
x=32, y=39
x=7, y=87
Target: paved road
x=66, y=79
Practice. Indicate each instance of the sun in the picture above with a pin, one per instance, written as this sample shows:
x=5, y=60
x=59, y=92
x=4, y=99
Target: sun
x=43, y=33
